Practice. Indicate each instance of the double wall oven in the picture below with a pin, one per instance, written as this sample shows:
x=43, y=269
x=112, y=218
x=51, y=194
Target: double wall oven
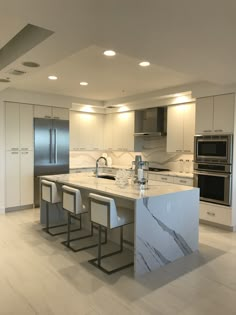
x=213, y=156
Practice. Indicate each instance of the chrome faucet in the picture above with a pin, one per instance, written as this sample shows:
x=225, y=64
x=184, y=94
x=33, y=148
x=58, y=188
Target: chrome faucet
x=101, y=157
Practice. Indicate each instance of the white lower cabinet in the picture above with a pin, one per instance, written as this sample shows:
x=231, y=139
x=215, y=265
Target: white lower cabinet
x=12, y=179
x=215, y=213
x=171, y=179
x=26, y=178
x=19, y=178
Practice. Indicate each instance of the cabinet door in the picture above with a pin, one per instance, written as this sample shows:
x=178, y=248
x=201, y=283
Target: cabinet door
x=175, y=142
x=60, y=113
x=26, y=127
x=26, y=177
x=41, y=111
x=74, y=130
x=118, y=132
x=86, y=131
x=97, y=130
x=128, y=135
x=224, y=113
x=12, y=179
x=108, y=133
x=204, y=115
x=12, y=126
x=189, y=127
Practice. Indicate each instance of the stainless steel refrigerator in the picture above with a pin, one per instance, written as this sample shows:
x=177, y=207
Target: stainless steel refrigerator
x=51, y=150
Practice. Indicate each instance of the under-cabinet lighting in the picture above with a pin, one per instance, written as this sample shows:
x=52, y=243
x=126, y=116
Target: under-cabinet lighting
x=87, y=109
x=83, y=83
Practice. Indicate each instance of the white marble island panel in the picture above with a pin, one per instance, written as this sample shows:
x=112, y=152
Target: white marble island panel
x=166, y=217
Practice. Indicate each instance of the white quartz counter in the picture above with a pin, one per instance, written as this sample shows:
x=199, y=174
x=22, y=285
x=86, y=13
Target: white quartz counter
x=89, y=181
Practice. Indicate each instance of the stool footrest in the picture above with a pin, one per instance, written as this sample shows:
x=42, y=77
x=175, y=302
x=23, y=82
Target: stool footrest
x=109, y=272
x=47, y=230
x=65, y=243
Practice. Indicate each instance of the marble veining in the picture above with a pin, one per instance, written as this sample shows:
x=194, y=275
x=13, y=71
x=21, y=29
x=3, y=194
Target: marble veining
x=180, y=241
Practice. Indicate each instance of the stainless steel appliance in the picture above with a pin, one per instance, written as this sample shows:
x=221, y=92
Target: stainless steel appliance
x=51, y=149
x=213, y=158
x=214, y=181
x=213, y=148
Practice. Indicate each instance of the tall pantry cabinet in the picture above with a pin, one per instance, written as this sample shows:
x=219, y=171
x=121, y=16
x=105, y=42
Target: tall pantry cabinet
x=19, y=155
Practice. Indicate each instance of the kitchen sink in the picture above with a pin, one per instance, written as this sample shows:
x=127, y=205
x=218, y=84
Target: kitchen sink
x=112, y=177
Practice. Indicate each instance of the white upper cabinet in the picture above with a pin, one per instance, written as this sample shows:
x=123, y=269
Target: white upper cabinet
x=108, y=134
x=86, y=131
x=12, y=126
x=19, y=126
x=26, y=127
x=60, y=113
x=51, y=112
x=215, y=114
x=42, y=111
x=180, y=128
x=119, y=131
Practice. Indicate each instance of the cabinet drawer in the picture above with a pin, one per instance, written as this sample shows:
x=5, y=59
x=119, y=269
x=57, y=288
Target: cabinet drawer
x=215, y=213
x=161, y=178
x=183, y=181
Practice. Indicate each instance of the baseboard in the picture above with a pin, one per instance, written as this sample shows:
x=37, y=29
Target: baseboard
x=24, y=207
x=220, y=226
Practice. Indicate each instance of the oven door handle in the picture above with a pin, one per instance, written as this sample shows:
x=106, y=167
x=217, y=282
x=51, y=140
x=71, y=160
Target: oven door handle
x=212, y=174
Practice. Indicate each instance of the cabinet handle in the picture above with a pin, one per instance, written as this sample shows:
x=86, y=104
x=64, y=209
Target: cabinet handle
x=14, y=149
x=211, y=213
x=24, y=149
x=207, y=130
x=183, y=181
x=164, y=178
x=47, y=116
x=218, y=130
x=81, y=148
x=187, y=150
x=14, y=152
x=56, y=117
x=24, y=152
x=178, y=150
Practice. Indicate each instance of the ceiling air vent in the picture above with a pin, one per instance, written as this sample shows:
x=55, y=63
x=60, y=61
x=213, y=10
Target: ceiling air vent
x=4, y=80
x=16, y=72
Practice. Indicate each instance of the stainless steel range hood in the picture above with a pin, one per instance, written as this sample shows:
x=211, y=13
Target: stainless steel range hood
x=151, y=122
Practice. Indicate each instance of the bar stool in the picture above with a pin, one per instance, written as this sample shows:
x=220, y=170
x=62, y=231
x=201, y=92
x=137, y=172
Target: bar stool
x=72, y=204
x=50, y=194
x=105, y=213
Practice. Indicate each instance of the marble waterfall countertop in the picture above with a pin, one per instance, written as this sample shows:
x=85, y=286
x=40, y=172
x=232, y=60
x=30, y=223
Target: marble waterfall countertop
x=131, y=191
x=165, y=220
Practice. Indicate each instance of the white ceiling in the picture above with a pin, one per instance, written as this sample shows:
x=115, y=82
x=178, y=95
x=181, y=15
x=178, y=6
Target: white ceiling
x=185, y=41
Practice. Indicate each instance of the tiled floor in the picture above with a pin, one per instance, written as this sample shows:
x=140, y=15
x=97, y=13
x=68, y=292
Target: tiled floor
x=40, y=276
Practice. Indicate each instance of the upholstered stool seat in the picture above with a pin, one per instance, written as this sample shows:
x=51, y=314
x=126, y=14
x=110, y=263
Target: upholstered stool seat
x=73, y=205
x=51, y=195
x=105, y=213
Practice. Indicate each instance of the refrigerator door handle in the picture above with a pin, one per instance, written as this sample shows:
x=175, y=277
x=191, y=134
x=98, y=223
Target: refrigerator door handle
x=55, y=146
x=50, y=145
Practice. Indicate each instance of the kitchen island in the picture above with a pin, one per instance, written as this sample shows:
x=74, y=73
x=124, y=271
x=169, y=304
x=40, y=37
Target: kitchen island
x=166, y=216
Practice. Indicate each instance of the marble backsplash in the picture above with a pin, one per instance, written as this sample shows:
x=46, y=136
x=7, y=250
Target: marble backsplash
x=154, y=151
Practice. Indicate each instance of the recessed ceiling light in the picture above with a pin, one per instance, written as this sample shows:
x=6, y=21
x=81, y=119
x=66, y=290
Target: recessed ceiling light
x=83, y=83
x=31, y=64
x=52, y=77
x=144, y=63
x=109, y=53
